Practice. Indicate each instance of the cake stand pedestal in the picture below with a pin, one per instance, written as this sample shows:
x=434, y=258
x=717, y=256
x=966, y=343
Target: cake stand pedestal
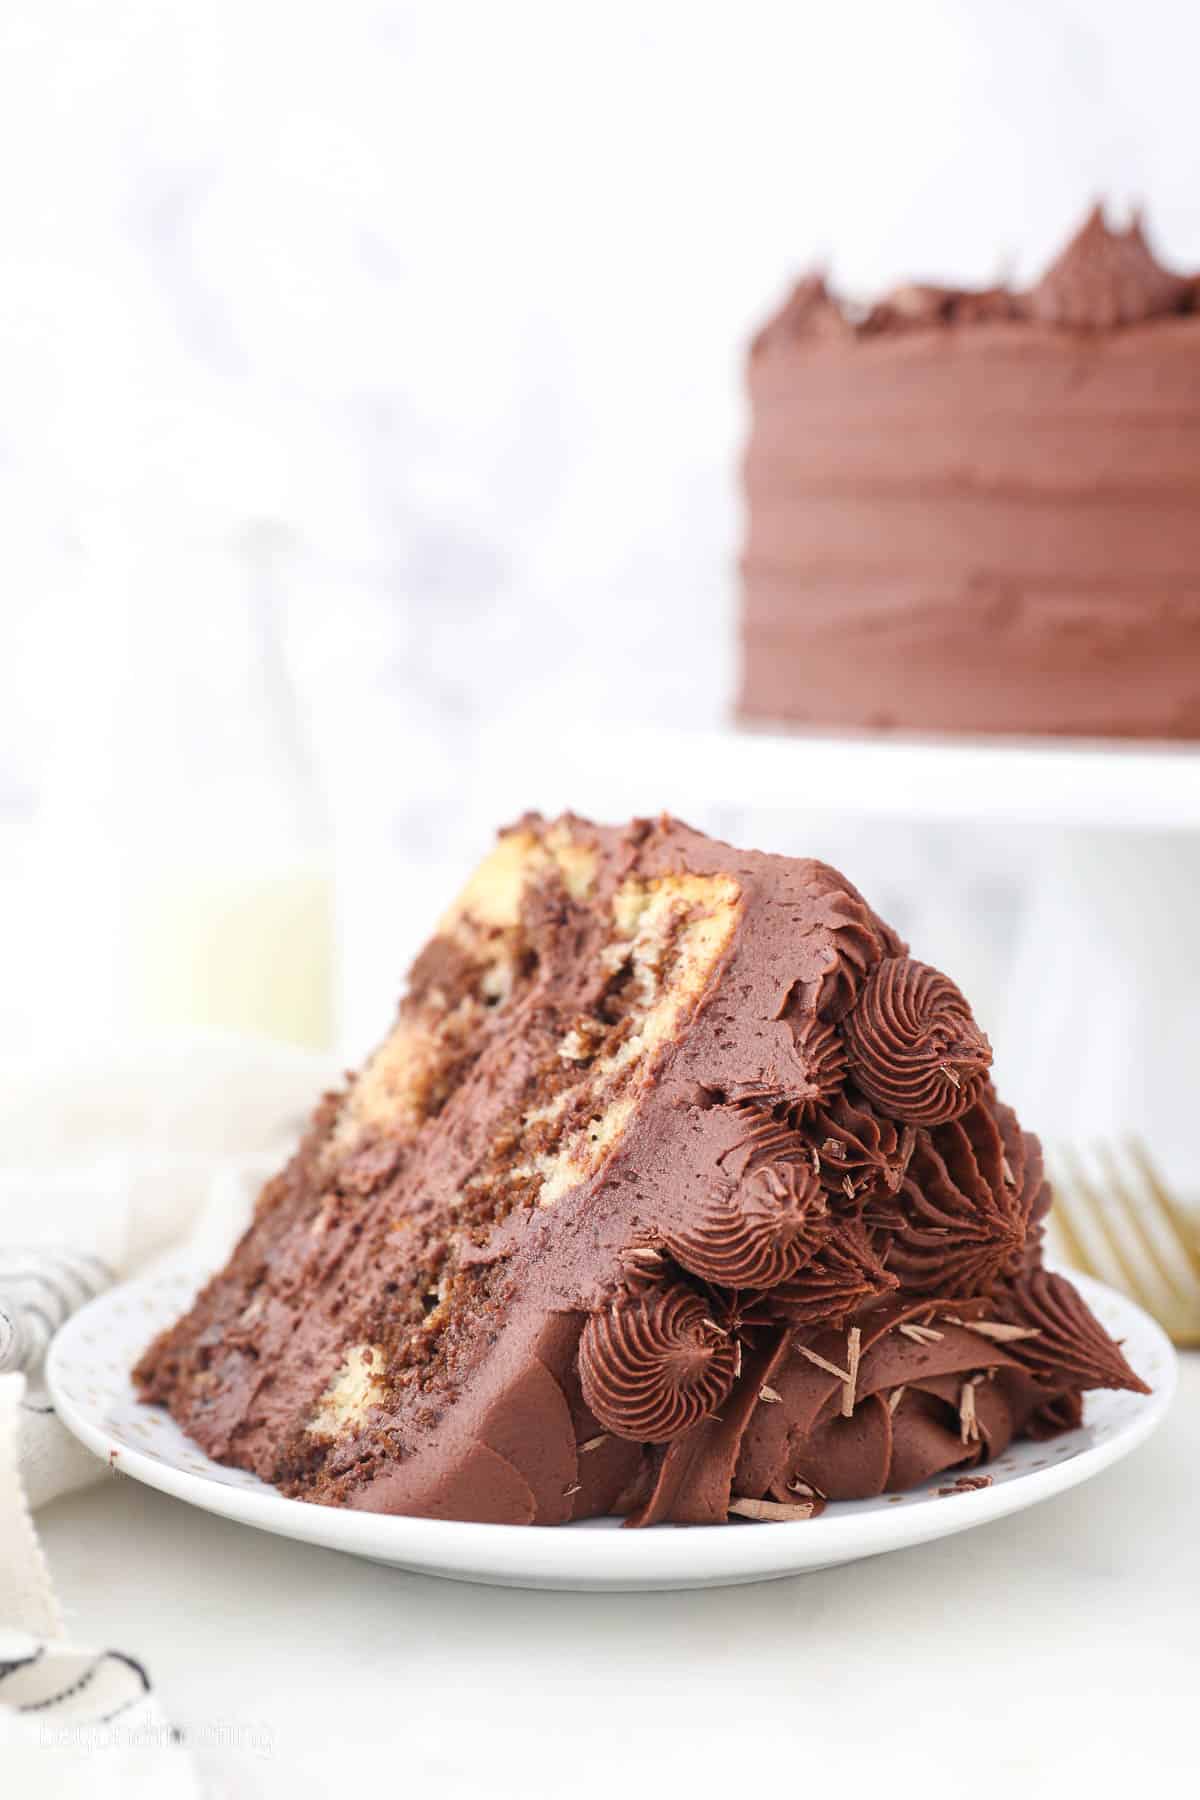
x=1095, y=993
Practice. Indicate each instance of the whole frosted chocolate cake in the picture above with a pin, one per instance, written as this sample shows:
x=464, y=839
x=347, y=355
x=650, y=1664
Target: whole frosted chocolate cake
x=979, y=511
x=678, y=1190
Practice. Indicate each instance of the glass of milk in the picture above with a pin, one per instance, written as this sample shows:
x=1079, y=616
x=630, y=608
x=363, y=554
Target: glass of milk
x=185, y=883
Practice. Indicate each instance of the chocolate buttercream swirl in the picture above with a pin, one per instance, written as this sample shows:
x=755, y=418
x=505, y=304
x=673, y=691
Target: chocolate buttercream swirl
x=1025, y=1172
x=1071, y=1348
x=823, y=1056
x=1102, y=280
x=1041, y=1199
x=654, y=1363
x=812, y=1075
x=1063, y=1413
x=914, y=1048
x=885, y=1401
x=844, y=1275
x=763, y=1137
x=857, y=943
x=923, y=304
x=958, y=1219
x=1106, y=278
x=809, y=310
x=755, y=1232
x=858, y=1153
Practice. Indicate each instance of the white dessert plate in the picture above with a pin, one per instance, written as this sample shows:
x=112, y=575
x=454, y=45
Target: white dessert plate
x=88, y=1377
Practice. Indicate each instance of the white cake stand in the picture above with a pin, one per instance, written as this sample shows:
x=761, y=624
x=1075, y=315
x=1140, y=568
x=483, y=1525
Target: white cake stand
x=1094, y=996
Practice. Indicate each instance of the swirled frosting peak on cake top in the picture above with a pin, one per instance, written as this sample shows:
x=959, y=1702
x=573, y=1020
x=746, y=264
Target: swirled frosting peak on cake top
x=1105, y=278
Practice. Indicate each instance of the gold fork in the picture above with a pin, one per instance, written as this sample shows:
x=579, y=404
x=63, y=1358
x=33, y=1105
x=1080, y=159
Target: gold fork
x=1115, y=1218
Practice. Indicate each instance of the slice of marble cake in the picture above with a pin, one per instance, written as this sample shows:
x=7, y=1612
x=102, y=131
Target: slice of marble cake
x=677, y=1189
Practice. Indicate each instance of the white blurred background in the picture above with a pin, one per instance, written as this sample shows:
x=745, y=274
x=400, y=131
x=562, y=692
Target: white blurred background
x=370, y=403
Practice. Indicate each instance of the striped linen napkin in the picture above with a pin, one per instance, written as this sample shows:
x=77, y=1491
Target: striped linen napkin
x=108, y=1166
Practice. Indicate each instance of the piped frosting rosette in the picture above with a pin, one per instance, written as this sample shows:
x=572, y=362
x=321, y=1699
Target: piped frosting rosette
x=653, y=1362
x=858, y=940
x=973, y=1193
x=913, y=1047
x=761, y=1216
x=858, y=1152
x=757, y=1232
x=844, y=1276
x=1061, y=1343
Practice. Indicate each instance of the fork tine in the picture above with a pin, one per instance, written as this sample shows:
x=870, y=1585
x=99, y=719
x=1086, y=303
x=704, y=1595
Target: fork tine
x=1064, y=1225
x=1093, y=1204
x=1135, y=1208
x=1181, y=1226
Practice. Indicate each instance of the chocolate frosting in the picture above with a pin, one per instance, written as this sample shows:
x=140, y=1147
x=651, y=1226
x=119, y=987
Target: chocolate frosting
x=756, y=1232
x=653, y=1363
x=1102, y=280
x=922, y=304
x=817, y=1067
x=842, y=1277
x=543, y=1260
x=1106, y=278
x=858, y=1152
x=1066, y=1340
x=906, y=1422
x=857, y=941
x=808, y=308
x=914, y=1048
x=958, y=1219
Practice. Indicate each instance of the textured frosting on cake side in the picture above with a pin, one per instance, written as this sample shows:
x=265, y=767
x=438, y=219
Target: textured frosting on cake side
x=980, y=511
x=677, y=1190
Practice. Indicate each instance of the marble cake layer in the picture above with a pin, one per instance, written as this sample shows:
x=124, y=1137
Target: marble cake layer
x=677, y=1190
x=980, y=511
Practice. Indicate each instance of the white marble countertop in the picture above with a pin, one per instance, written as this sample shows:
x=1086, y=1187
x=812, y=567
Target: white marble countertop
x=1058, y=1650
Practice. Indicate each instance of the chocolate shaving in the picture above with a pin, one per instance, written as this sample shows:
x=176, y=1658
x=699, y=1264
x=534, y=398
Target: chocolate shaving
x=895, y=1397
x=853, y=1352
x=769, y=1396
x=999, y=1333
x=966, y=1411
x=821, y=1363
x=921, y=1334
x=769, y=1510
x=646, y=1254
x=593, y=1443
